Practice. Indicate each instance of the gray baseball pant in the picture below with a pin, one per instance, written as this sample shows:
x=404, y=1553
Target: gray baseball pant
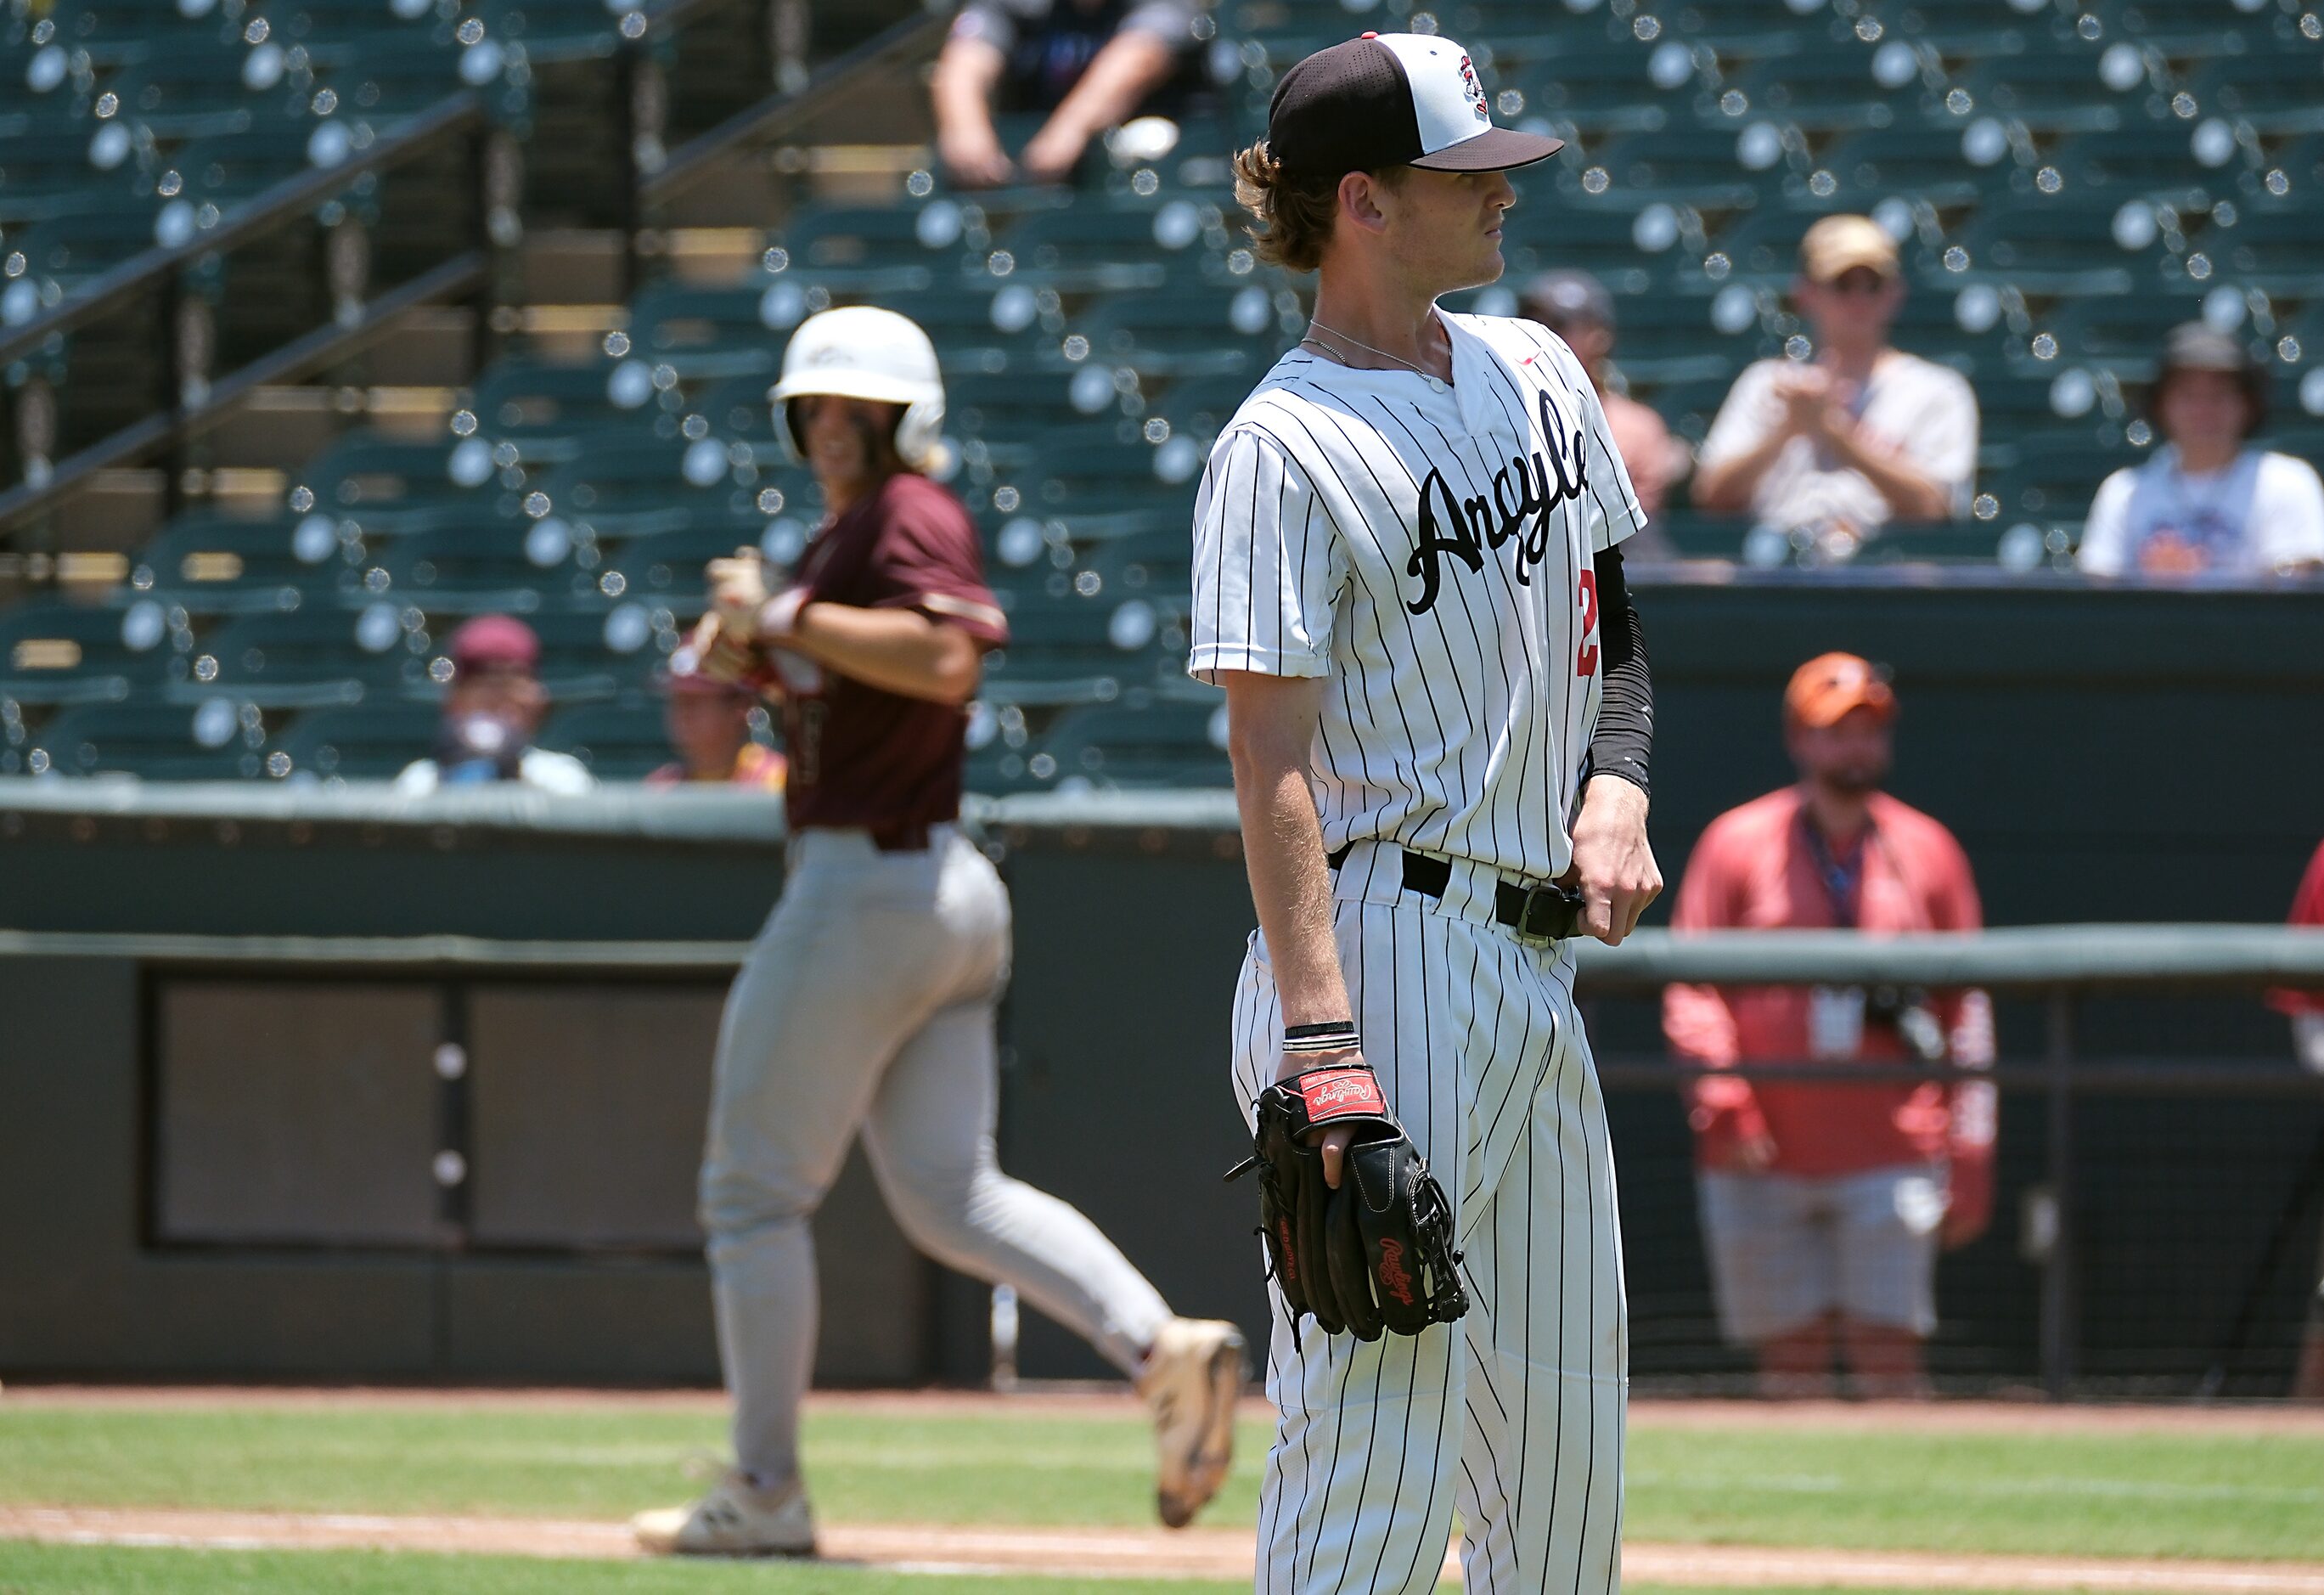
x=867, y=1002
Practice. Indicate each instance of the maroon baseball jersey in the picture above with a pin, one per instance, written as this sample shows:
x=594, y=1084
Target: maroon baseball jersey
x=859, y=755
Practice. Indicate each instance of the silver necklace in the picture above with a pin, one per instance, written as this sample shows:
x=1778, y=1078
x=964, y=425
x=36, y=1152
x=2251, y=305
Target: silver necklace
x=1435, y=383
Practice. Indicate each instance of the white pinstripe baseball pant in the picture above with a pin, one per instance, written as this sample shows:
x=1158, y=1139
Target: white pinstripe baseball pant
x=1515, y=1415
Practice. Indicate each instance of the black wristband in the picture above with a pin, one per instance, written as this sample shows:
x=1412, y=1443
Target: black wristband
x=1330, y=1036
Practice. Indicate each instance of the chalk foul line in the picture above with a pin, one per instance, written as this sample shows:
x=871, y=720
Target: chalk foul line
x=1134, y=1554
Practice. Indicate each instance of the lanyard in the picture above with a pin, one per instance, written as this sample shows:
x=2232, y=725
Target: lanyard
x=1842, y=882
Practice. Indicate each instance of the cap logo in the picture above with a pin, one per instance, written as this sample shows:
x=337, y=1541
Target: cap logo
x=1476, y=91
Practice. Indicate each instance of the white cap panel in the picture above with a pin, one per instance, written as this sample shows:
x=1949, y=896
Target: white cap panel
x=1448, y=100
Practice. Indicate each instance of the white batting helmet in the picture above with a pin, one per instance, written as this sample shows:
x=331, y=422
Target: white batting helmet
x=864, y=352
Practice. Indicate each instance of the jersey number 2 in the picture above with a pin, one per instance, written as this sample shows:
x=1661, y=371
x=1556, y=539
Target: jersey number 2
x=1585, y=660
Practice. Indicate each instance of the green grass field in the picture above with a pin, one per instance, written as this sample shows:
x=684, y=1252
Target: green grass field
x=2166, y=1493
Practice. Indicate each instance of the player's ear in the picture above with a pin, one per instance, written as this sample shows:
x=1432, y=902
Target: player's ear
x=1362, y=201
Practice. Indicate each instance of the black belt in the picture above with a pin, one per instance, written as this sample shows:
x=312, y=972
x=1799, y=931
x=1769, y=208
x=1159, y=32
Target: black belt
x=1537, y=913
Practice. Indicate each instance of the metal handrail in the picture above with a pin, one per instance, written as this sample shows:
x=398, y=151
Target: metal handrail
x=270, y=205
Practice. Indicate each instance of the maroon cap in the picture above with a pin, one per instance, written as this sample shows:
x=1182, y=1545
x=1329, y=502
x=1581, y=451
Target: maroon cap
x=685, y=677
x=1391, y=99
x=494, y=642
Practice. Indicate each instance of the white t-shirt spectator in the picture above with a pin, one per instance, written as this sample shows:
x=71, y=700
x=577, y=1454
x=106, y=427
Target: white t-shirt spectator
x=560, y=773
x=2262, y=513
x=1923, y=410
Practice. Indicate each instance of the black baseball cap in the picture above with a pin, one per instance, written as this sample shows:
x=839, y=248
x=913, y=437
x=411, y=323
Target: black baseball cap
x=1392, y=99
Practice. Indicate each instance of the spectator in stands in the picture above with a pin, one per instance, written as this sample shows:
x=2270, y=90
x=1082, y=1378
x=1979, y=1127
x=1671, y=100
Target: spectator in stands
x=2209, y=499
x=708, y=723
x=490, y=712
x=1089, y=64
x=1824, y=1204
x=1575, y=305
x=1837, y=447
x=2307, y=1012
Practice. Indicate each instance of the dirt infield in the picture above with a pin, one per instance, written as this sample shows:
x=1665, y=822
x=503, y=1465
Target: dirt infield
x=1981, y=1417
x=1140, y=1554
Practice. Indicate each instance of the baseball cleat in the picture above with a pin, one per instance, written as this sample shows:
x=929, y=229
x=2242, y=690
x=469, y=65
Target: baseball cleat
x=1193, y=1376
x=736, y=1519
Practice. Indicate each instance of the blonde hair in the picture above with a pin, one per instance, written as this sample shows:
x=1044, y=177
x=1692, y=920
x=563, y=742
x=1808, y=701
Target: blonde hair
x=1293, y=215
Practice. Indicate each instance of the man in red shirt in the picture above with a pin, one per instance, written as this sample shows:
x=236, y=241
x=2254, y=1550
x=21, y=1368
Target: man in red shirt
x=2307, y=1012
x=1824, y=1203
x=867, y=1002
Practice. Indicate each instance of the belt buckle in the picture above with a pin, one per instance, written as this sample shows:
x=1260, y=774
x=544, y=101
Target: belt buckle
x=1551, y=914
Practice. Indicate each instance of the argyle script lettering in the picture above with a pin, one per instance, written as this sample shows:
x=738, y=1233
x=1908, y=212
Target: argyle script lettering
x=1521, y=492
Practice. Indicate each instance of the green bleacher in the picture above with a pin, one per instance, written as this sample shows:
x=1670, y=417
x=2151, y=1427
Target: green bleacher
x=2066, y=182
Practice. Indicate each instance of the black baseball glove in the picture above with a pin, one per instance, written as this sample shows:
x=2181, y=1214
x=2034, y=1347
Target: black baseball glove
x=1378, y=1252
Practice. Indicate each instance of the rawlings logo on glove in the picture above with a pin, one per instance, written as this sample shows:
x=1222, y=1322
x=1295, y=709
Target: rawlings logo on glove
x=1376, y=1254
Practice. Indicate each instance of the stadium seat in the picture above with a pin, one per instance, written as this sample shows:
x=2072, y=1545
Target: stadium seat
x=1026, y=401
x=1191, y=334
x=373, y=478
x=2122, y=332
x=1687, y=168
x=472, y=566
x=2168, y=160
x=1157, y=566
x=1946, y=164
x=2273, y=245
x=618, y=741
x=1600, y=87
x=57, y=651
x=2071, y=93
x=620, y=484
x=2063, y=247
x=1082, y=651
x=1004, y=751
x=545, y=408
x=211, y=561
x=1116, y=247
x=1830, y=87
x=943, y=235
x=323, y=648
x=219, y=738
x=46, y=175
x=2275, y=89
x=1155, y=745
x=2056, y=474
x=373, y=741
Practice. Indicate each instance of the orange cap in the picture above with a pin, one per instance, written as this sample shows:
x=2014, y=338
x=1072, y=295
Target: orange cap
x=1829, y=685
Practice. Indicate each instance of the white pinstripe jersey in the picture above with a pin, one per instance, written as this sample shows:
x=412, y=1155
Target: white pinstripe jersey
x=1428, y=551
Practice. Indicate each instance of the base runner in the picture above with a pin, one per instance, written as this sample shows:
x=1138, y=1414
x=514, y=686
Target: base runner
x=867, y=1002
x=1407, y=579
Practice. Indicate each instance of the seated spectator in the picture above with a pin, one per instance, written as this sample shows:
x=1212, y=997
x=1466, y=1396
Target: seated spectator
x=1090, y=64
x=1863, y=434
x=491, y=711
x=1575, y=305
x=708, y=723
x=2307, y=1012
x=1824, y=1204
x=2209, y=499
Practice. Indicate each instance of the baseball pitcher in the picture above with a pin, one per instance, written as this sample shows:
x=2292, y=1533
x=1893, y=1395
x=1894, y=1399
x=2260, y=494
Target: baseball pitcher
x=1407, y=580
